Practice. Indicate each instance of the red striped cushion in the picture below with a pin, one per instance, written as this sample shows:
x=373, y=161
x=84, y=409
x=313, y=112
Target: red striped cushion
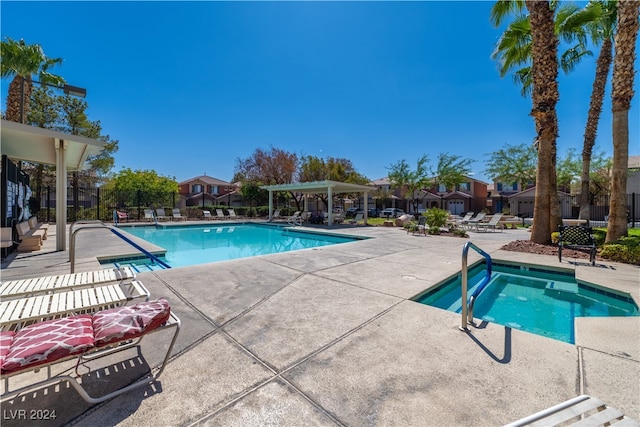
x=48, y=341
x=128, y=322
x=6, y=338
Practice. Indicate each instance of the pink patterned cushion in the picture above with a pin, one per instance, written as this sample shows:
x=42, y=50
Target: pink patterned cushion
x=128, y=322
x=6, y=338
x=48, y=341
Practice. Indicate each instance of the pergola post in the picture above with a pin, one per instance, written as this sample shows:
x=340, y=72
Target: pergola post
x=270, y=205
x=61, y=195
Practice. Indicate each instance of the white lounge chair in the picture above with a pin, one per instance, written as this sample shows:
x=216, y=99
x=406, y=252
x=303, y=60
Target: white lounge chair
x=206, y=214
x=475, y=220
x=220, y=214
x=465, y=219
x=65, y=282
x=492, y=224
x=18, y=312
x=295, y=219
x=276, y=214
x=84, y=338
x=149, y=215
x=178, y=215
x=583, y=410
x=161, y=215
x=232, y=214
x=359, y=217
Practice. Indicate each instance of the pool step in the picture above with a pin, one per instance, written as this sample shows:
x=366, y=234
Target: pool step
x=570, y=288
x=457, y=305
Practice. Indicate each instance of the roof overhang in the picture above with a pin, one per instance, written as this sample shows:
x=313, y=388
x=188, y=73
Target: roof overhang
x=320, y=187
x=38, y=145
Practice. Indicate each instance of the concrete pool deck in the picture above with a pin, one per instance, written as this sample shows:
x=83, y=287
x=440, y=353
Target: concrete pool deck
x=329, y=336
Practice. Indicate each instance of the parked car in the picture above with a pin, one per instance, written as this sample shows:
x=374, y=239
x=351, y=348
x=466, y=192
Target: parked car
x=391, y=213
x=373, y=212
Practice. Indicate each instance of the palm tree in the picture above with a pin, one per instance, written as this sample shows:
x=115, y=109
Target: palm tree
x=20, y=62
x=621, y=95
x=544, y=72
x=601, y=30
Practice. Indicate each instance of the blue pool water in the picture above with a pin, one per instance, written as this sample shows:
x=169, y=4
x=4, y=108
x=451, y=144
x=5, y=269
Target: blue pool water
x=191, y=245
x=534, y=300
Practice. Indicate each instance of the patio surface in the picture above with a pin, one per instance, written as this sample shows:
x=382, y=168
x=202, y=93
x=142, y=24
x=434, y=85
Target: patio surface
x=329, y=336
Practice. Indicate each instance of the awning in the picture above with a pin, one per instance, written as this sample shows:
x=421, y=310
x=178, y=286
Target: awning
x=320, y=187
x=49, y=147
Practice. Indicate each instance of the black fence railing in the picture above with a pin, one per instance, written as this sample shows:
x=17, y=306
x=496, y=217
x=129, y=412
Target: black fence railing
x=99, y=203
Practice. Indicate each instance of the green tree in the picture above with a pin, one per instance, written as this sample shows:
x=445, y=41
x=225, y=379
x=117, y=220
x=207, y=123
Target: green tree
x=408, y=181
x=144, y=187
x=621, y=95
x=20, y=62
x=513, y=163
x=314, y=168
x=568, y=170
x=451, y=170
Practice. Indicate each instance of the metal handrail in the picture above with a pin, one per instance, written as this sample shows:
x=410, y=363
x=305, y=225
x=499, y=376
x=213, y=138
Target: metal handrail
x=92, y=225
x=467, y=307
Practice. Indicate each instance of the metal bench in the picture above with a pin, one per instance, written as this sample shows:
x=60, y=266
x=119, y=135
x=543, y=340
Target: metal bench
x=576, y=237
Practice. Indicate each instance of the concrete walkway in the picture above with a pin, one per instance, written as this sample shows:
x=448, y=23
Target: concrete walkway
x=329, y=336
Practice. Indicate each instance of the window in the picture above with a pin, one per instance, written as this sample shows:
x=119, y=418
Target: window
x=442, y=188
x=465, y=186
x=196, y=188
x=213, y=189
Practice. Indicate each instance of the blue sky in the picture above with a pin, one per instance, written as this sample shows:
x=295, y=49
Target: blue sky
x=189, y=87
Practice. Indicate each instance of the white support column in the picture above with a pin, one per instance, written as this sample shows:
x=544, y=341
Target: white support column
x=270, y=205
x=366, y=207
x=61, y=196
x=330, y=205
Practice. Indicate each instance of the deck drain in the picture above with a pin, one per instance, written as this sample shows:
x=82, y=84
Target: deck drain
x=407, y=277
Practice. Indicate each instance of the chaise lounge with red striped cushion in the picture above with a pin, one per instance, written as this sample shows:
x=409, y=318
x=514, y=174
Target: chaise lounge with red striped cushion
x=85, y=337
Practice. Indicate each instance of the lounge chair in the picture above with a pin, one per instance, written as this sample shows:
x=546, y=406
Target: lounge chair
x=276, y=214
x=220, y=214
x=577, y=237
x=295, y=219
x=178, y=215
x=65, y=282
x=232, y=214
x=30, y=240
x=17, y=312
x=465, y=219
x=583, y=410
x=122, y=216
x=359, y=217
x=6, y=239
x=83, y=337
x=149, y=215
x=476, y=220
x=492, y=224
x=160, y=215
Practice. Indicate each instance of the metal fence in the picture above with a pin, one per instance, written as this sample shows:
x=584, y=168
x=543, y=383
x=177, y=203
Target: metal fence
x=99, y=203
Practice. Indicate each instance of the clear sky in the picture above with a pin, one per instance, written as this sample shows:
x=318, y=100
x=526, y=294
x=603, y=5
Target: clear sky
x=189, y=87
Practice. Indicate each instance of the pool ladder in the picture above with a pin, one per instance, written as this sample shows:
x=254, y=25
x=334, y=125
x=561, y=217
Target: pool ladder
x=467, y=306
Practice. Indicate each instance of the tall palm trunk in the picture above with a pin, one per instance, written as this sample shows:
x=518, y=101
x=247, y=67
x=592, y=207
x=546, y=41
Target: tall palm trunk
x=18, y=100
x=603, y=65
x=621, y=95
x=544, y=53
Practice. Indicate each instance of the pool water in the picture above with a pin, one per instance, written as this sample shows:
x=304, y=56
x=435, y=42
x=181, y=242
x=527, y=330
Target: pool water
x=535, y=300
x=192, y=245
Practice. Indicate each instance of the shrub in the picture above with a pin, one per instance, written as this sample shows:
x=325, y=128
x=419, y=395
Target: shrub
x=625, y=249
x=433, y=230
x=436, y=218
x=460, y=232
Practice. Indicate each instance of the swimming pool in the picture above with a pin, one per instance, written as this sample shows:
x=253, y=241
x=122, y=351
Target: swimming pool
x=543, y=302
x=191, y=245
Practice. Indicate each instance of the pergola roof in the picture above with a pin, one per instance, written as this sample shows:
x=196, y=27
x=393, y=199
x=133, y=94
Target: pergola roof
x=320, y=187
x=38, y=145
x=49, y=147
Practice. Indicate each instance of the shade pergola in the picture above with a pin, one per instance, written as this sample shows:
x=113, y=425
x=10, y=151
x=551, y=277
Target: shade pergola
x=320, y=187
x=45, y=146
